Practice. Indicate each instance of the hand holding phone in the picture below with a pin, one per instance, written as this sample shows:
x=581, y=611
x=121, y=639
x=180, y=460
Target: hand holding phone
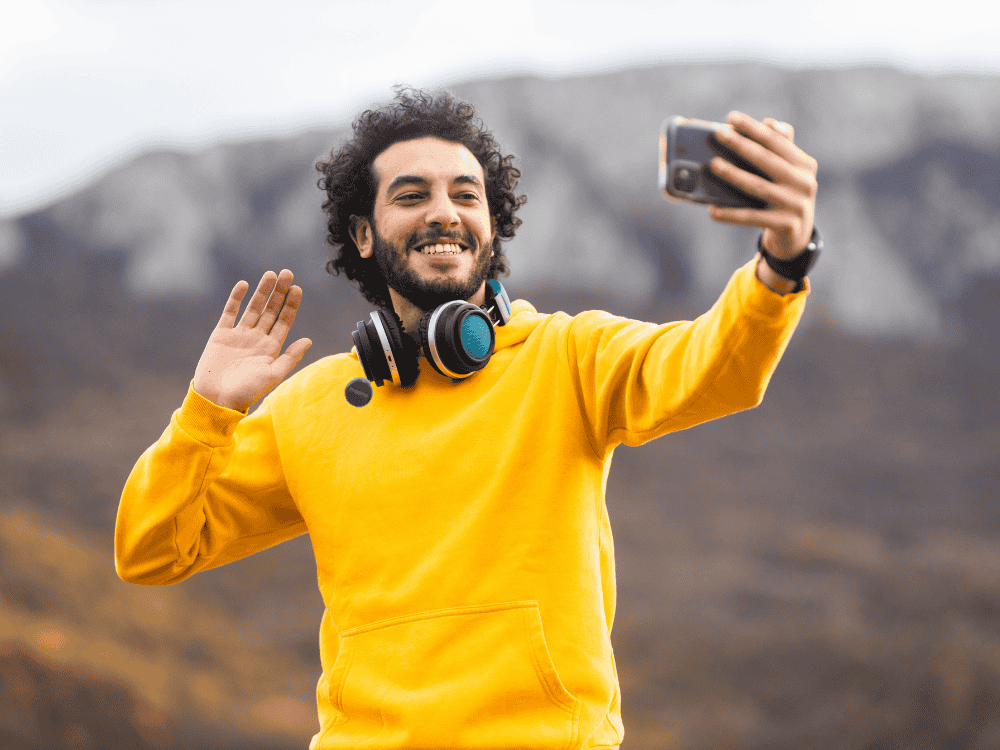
x=686, y=148
x=748, y=173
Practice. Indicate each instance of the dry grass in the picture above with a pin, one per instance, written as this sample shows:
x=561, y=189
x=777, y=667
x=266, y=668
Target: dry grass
x=822, y=572
x=64, y=610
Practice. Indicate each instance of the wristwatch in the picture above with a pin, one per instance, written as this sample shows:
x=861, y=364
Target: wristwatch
x=794, y=269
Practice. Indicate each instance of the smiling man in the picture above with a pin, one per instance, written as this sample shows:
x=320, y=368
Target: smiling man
x=462, y=540
x=430, y=230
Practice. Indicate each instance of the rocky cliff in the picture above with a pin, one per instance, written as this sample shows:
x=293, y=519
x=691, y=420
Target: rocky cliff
x=909, y=186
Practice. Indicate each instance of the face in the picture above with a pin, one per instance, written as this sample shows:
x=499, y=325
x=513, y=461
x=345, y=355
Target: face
x=432, y=231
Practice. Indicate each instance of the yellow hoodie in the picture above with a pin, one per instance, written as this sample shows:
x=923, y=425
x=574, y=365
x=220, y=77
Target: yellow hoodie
x=460, y=529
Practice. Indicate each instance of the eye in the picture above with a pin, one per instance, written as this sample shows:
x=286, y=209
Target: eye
x=468, y=196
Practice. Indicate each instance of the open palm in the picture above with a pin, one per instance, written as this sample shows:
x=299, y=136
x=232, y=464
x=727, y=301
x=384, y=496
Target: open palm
x=242, y=362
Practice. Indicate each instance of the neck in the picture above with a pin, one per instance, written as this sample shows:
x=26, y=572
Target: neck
x=410, y=314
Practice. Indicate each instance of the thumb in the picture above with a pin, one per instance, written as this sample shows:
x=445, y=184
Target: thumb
x=292, y=356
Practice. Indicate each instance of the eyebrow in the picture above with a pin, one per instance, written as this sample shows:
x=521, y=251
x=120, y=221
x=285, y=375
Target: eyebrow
x=412, y=179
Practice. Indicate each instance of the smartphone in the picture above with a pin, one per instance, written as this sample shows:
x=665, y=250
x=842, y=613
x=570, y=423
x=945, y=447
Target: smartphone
x=686, y=147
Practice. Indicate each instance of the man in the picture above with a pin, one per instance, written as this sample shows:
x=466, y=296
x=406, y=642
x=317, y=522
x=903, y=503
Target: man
x=461, y=536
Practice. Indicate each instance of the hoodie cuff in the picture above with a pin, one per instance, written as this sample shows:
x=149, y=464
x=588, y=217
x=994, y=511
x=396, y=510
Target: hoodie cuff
x=205, y=421
x=760, y=301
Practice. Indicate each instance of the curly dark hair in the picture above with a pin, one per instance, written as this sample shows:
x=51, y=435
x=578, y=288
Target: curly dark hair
x=351, y=184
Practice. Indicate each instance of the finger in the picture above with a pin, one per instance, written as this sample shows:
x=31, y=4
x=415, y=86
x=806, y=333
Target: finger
x=770, y=139
x=791, y=232
x=753, y=217
x=288, y=311
x=801, y=179
x=767, y=132
x=256, y=305
x=292, y=356
x=777, y=195
x=781, y=127
x=232, y=307
x=276, y=300
x=776, y=166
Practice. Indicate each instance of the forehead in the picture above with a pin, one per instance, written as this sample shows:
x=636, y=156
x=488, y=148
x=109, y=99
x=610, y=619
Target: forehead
x=429, y=158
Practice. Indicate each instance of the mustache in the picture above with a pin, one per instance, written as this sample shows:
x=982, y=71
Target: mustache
x=434, y=236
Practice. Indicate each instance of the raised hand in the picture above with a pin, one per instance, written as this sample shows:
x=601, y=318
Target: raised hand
x=241, y=362
x=788, y=221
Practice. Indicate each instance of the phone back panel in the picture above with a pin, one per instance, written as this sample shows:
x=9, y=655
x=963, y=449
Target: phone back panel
x=686, y=147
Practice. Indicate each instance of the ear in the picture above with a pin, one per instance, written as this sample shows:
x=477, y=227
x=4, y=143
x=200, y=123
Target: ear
x=361, y=233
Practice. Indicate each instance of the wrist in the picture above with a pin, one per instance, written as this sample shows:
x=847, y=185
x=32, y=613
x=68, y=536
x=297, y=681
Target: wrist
x=793, y=269
x=205, y=421
x=770, y=279
x=216, y=397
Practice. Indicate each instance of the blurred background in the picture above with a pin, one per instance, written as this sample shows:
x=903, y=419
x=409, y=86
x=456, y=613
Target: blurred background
x=822, y=571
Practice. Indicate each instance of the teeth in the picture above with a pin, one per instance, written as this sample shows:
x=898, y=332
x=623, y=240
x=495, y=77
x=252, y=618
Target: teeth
x=441, y=249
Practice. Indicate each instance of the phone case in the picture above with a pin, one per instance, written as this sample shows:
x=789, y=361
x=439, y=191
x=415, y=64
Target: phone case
x=686, y=147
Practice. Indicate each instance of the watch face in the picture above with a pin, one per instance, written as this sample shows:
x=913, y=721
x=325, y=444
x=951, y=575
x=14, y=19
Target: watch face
x=815, y=241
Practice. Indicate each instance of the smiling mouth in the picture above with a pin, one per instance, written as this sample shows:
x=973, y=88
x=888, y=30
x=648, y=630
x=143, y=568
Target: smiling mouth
x=440, y=249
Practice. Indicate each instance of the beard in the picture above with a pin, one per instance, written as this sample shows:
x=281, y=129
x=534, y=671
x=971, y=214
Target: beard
x=423, y=293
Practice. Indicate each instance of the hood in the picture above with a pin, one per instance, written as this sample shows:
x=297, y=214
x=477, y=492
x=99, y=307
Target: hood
x=523, y=320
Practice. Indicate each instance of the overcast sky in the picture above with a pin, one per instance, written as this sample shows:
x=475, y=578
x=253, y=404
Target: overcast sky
x=86, y=83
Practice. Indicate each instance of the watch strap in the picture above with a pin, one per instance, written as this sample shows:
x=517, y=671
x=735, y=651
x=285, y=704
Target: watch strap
x=795, y=268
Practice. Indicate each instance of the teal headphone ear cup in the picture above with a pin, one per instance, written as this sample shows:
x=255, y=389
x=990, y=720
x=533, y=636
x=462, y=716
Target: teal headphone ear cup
x=475, y=335
x=457, y=339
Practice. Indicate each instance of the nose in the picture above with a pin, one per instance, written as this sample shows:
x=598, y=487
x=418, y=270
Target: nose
x=441, y=212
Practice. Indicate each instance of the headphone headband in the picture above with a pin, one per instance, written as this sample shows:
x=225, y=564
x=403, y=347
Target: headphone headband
x=383, y=337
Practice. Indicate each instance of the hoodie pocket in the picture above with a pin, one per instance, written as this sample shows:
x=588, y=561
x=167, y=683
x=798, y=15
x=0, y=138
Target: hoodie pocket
x=476, y=676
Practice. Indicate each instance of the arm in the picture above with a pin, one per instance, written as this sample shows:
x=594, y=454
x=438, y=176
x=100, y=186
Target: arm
x=638, y=381
x=211, y=490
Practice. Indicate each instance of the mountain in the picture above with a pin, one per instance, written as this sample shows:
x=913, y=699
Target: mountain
x=909, y=185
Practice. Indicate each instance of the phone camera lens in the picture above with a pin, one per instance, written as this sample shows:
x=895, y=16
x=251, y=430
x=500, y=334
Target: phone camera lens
x=685, y=180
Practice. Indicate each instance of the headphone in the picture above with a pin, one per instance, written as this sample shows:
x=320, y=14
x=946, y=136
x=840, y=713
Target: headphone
x=457, y=338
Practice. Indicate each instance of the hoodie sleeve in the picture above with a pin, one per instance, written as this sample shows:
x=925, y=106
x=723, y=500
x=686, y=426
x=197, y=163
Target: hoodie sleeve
x=211, y=490
x=638, y=381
